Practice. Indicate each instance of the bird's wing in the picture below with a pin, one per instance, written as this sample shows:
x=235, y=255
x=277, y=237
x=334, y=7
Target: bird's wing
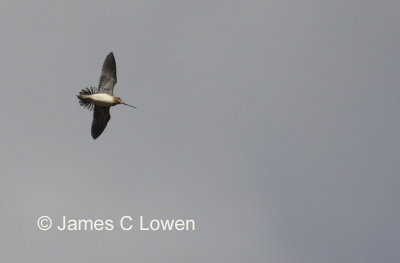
x=108, y=77
x=101, y=116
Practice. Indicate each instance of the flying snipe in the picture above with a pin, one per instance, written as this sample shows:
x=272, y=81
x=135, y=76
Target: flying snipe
x=102, y=99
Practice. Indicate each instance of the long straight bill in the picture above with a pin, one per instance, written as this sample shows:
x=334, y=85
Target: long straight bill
x=129, y=105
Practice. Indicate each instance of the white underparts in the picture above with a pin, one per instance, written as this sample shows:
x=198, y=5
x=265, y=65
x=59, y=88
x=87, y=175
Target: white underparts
x=102, y=99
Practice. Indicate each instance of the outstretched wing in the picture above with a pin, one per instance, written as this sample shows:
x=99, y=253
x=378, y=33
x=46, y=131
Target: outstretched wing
x=101, y=116
x=108, y=77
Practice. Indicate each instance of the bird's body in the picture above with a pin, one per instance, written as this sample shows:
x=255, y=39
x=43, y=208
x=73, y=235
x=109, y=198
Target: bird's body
x=102, y=99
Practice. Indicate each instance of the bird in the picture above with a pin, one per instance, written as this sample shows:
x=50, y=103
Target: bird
x=101, y=99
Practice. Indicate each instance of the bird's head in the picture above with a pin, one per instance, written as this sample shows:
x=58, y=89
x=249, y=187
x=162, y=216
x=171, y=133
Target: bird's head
x=120, y=101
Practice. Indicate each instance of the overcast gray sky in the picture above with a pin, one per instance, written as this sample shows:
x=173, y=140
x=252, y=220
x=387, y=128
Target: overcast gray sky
x=273, y=124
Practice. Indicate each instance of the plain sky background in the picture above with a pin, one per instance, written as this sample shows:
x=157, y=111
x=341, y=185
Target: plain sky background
x=273, y=124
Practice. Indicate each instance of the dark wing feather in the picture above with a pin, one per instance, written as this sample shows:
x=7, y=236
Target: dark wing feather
x=108, y=77
x=101, y=116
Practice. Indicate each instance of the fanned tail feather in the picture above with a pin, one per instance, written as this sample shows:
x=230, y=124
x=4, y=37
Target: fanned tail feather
x=86, y=103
